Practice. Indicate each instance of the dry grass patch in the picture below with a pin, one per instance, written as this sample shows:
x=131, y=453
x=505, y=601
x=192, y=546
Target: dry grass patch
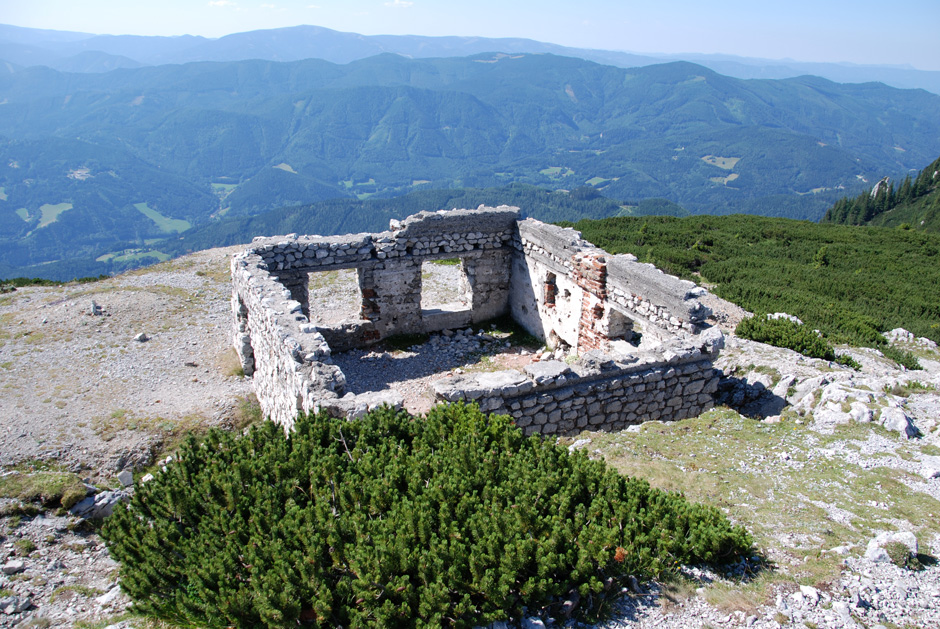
x=228, y=363
x=39, y=482
x=791, y=487
x=725, y=163
x=74, y=591
x=168, y=432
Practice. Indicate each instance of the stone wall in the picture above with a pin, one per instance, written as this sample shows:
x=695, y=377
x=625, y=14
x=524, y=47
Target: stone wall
x=596, y=392
x=289, y=357
x=286, y=356
x=560, y=287
x=594, y=289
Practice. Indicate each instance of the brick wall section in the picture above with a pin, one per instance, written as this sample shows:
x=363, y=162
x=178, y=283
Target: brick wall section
x=640, y=290
x=590, y=271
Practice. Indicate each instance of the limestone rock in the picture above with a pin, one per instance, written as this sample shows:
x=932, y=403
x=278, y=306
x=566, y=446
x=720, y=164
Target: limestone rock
x=547, y=370
x=10, y=605
x=580, y=443
x=109, y=597
x=507, y=380
x=126, y=478
x=352, y=406
x=810, y=594
x=931, y=467
x=99, y=506
x=14, y=566
x=860, y=412
x=712, y=340
x=897, y=420
x=876, y=546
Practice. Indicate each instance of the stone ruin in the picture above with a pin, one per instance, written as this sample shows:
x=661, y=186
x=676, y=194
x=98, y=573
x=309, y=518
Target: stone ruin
x=639, y=346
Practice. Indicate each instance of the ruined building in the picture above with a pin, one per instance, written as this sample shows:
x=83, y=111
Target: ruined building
x=559, y=287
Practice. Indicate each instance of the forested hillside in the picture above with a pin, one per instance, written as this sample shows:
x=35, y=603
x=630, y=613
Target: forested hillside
x=915, y=204
x=343, y=216
x=137, y=154
x=852, y=283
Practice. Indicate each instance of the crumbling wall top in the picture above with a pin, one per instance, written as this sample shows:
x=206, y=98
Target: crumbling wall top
x=679, y=297
x=482, y=219
x=563, y=242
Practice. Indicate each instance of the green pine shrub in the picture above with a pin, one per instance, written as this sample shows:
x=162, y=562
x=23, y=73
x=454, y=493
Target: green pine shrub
x=452, y=519
x=787, y=334
x=902, y=557
x=902, y=357
x=848, y=361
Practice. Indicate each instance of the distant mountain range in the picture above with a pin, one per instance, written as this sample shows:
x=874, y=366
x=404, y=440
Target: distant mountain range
x=85, y=52
x=94, y=165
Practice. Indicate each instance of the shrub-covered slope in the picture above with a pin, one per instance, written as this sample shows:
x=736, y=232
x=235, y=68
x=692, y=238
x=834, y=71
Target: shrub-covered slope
x=453, y=519
x=850, y=282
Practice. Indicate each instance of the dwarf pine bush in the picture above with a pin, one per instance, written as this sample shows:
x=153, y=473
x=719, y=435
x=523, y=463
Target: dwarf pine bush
x=785, y=333
x=791, y=335
x=452, y=519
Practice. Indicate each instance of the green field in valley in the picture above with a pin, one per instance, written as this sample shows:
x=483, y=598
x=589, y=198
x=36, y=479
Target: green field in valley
x=50, y=212
x=165, y=224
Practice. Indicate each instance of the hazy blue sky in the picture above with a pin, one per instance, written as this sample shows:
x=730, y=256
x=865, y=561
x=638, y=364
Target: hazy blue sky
x=858, y=31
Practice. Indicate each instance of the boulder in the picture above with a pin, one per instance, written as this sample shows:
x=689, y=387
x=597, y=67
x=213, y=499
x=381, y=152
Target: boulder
x=99, y=506
x=931, y=467
x=10, y=605
x=13, y=567
x=712, y=341
x=898, y=421
x=876, y=546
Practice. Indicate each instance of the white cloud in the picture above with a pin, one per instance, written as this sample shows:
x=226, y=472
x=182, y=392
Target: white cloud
x=268, y=6
x=399, y=4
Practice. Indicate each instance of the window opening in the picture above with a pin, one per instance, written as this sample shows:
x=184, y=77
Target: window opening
x=445, y=285
x=334, y=296
x=550, y=290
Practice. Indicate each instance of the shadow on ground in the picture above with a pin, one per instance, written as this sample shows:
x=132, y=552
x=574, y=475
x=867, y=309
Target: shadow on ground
x=752, y=400
x=376, y=369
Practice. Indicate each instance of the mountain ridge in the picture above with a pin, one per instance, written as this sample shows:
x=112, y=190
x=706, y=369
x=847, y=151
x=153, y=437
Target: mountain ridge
x=252, y=136
x=54, y=48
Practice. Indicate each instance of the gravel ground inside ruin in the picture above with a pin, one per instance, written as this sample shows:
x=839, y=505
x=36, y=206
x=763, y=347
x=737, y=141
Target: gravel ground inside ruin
x=411, y=370
x=77, y=389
